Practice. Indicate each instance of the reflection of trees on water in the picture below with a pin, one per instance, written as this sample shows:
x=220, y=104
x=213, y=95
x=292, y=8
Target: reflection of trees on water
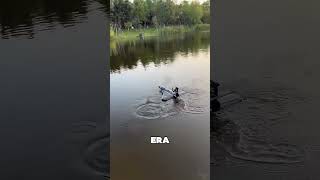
x=156, y=50
x=106, y=6
x=20, y=17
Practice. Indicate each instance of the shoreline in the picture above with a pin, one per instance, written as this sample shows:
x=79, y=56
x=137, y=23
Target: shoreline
x=127, y=35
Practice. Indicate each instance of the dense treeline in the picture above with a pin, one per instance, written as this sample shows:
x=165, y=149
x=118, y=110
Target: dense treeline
x=127, y=14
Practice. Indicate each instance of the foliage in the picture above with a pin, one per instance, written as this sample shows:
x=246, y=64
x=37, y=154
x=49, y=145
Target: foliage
x=112, y=33
x=136, y=14
x=149, y=33
x=139, y=12
x=202, y=27
x=206, y=13
x=121, y=12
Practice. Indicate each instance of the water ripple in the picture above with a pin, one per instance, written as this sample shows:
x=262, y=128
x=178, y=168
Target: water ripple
x=243, y=131
x=153, y=108
x=96, y=155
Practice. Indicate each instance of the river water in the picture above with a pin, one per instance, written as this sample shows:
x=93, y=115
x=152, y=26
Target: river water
x=53, y=110
x=268, y=54
x=137, y=112
x=53, y=90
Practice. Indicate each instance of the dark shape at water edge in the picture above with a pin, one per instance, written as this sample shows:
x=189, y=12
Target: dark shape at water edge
x=235, y=134
x=214, y=93
x=25, y=18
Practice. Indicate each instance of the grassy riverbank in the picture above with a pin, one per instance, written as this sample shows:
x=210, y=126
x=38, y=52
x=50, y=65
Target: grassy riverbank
x=154, y=32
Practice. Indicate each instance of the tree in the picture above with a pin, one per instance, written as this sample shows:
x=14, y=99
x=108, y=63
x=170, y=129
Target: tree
x=165, y=12
x=206, y=18
x=140, y=12
x=120, y=13
x=191, y=13
x=150, y=11
x=125, y=13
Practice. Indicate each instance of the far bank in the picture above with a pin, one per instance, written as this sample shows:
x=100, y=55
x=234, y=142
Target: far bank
x=144, y=33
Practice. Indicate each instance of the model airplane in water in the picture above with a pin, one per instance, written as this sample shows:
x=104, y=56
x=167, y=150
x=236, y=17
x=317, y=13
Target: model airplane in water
x=168, y=94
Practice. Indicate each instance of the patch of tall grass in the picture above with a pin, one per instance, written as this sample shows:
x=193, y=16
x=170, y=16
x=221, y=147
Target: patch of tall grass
x=202, y=27
x=160, y=31
x=170, y=30
x=112, y=34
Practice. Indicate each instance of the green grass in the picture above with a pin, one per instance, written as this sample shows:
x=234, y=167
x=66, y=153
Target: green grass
x=155, y=32
x=112, y=34
x=202, y=27
x=133, y=34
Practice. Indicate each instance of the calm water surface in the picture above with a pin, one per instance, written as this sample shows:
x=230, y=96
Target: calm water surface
x=137, y=112
x=53, y=95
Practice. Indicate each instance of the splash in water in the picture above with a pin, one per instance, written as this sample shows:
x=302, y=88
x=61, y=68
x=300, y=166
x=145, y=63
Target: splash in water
x=189, y=101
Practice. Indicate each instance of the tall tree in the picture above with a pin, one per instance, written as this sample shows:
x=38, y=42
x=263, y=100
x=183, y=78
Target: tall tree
x=140, y=12
x=206, y=18
x=120, y=12
x=191, y=13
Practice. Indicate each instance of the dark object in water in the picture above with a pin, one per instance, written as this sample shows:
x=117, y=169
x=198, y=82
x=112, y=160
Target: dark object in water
x=222, y=100
x=214, y=103
x=215, y=86
x=218, y=102
x=176, y=91
x=141, y=36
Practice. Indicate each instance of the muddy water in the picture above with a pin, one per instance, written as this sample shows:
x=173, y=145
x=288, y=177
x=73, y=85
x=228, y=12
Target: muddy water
x=267, y=53
x=137, y=111
x=53, y=95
